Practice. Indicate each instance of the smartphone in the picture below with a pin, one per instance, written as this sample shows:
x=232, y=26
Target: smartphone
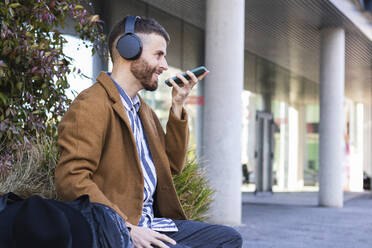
x=197, y=71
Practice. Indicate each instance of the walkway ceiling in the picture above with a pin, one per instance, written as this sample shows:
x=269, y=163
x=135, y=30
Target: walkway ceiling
x=287, y=33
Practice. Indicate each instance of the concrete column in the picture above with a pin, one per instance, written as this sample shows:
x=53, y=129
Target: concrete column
x=367, y=159
x=251, y=131
x=331, y=125
x=224, y=48
x=282, y=172
x=267, y=99
x=293, y=148
x=199, y=125
x=302, y=151
x=356, y=166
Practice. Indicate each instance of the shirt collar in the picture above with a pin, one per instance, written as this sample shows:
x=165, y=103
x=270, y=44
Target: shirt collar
x=128, y=102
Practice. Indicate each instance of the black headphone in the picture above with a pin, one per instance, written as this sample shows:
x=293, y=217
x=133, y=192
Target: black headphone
x=129, y=44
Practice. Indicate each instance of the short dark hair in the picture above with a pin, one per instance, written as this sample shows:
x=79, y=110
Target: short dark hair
x=142, y=26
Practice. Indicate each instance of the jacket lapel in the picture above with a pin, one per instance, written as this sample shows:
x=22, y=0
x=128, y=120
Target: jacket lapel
x=146, y=119
x=113, y=93
x=118, y=107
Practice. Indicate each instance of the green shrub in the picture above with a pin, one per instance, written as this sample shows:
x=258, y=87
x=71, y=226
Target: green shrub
x=32, y=170
x=193, y=190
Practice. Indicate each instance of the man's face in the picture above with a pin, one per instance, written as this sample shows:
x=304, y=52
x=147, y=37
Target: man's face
x=152, y=62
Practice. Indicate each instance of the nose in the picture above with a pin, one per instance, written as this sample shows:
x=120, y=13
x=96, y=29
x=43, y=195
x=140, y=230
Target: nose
x=164, y=64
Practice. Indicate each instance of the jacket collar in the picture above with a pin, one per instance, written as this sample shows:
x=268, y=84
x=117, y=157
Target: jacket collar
x=109, y=86
x=114, y=95
x=112, y=91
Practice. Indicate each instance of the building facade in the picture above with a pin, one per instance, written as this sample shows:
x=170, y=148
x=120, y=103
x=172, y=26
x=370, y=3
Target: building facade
x=304, y=64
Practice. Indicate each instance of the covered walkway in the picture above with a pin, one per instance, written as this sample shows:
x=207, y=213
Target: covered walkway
x=295, y=220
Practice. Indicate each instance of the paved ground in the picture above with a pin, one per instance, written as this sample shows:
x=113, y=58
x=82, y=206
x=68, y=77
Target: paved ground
x=294, y=220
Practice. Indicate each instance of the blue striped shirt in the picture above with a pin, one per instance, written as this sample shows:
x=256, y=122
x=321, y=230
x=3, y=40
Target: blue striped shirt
x=148, y=168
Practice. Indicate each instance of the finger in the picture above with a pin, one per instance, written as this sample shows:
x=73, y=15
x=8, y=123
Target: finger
x=193, y=78
x=203, y=75
x=159, y=244
x=148, y=245
x=166, y=238
x=142, y=244
x=174, y=84
x=183, y=79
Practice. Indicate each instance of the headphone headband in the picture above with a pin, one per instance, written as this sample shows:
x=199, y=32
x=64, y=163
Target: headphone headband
x=130, y=24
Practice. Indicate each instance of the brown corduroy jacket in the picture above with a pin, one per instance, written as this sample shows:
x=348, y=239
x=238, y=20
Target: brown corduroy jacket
x=98, y=154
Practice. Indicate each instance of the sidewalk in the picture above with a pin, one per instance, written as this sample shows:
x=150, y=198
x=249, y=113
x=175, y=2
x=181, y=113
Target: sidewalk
x=294, y=220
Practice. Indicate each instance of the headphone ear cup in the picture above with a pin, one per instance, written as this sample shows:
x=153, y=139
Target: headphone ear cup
x=129, y=46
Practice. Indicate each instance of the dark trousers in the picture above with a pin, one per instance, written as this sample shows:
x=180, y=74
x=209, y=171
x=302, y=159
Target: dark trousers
x=199, y=234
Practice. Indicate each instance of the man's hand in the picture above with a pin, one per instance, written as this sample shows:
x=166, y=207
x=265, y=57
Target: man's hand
x=144, y=237
x=180, y=92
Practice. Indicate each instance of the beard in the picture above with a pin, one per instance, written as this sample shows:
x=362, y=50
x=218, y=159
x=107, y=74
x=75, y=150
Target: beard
x=143, y=71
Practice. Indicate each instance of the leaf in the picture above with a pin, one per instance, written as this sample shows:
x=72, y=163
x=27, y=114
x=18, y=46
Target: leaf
x=19, y=85
x=14, y=5
x=18, y=59
x=11, y=12
x=94, y=18
x=3, y=98
x=77, y=7
x=36, y=77
x=9, y=134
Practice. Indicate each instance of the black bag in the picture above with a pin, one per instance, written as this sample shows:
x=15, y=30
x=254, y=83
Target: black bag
x=39, y=222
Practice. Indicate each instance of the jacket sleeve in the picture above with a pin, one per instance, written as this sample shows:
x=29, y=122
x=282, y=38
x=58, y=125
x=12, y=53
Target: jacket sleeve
x=176, y=140
x=81, y=136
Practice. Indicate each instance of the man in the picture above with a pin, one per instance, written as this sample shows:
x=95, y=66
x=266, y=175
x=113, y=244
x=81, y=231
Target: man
x=114, y=149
